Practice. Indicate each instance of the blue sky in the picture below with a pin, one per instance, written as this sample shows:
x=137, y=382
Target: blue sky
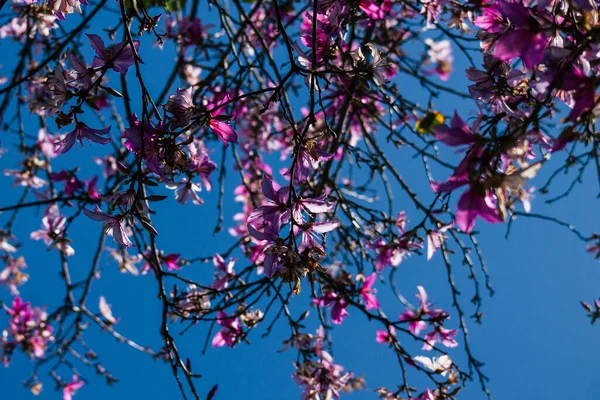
x=535, y=340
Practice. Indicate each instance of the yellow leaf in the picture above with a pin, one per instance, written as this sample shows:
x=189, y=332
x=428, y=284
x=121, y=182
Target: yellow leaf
x=429, y=121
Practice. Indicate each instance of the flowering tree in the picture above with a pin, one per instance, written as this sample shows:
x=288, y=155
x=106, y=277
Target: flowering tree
x=299, y=117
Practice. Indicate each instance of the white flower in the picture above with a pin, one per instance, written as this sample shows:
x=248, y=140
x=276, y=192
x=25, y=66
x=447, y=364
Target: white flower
x=439, y=365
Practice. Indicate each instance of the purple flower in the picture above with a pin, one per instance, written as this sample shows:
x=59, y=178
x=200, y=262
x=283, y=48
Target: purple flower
x=223, y=272
x=186, y=190
x=118, y=57
x=310, y=233
x=471, y=205
x=229, y=333
x=112, y=225
x=275, y=211
x=82, y=131
x=457, y=134
x=181, y=107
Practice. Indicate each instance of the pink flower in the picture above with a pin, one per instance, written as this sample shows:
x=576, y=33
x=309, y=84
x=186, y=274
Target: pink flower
x=442, y=335
x=368, y=293
x=71, y=388
x=384, y=336
x=229, y=333
x=416, y=324
x=338, y=311
x=223, y=130
x=171, y=261
x=81, y=131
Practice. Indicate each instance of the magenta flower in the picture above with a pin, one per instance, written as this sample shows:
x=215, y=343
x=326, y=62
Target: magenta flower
x=383, y=336
x=222, y=129
x=171, y=261
x=471, y=205
x=82, y=131
x=72, y=184
x=338, y=311
x=27, y=328
x=71, y=388
x=415, y=318
x=230, y=331
x=368, y=293
x=441, y=335
x=119, y=57
x=112, y=225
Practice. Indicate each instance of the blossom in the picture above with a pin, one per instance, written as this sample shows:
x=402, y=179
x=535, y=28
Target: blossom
x=391, y=254
x=62, y=7
x=384, y=336
x=119, y=57
x=338, y=311
x=222, y=129
x=440, y=54
x=71, y=388
x=471, y=205
x=275, y=211
x=82, y=131
x=439, y=365
x=441, y=335
x=223, y=272
x=112, y=225
x=12, y=275
x=415, y=318
x=311, y=232
x=181, y=107
x=27, y=328
x=186, y=190
x=53, y=230
x=457, y=134
x=230, y=331
x=368, y=293
x=435, y=238
x=106, y=312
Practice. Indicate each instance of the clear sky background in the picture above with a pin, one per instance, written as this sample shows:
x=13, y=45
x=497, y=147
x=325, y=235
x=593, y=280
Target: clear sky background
x=535, y=341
